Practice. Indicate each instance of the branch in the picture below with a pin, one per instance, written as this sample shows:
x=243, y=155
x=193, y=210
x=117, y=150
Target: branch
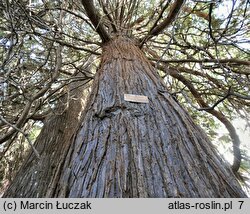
x=165, y=23
x=19, y=123
x=24, y=134
x=196, y=12
x=245, y=97
x=95, y=19
x=210, y=22
x=108, y=16
x=24, y=116
x=216, y=103
x=160, y=15
x=67, y=44
x=230, y=61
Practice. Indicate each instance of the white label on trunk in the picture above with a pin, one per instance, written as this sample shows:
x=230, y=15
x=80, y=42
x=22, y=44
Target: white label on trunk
x=136, y=98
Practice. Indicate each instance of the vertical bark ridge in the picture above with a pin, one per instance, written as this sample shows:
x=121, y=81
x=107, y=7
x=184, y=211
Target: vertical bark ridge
x=125, y=149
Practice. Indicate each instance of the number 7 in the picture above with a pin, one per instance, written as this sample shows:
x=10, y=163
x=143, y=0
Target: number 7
x=241, y=203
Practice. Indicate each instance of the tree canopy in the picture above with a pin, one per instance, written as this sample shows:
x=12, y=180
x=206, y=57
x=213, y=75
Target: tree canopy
x=199, y=48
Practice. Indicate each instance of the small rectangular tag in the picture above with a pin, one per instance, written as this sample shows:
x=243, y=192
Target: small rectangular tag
x=136, y=98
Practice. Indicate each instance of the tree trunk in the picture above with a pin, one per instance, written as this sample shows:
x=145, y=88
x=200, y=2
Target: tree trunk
x=36, y=178
x=129, y=149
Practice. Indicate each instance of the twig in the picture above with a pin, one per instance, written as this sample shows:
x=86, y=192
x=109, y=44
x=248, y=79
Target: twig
x=95, y=19
x=206, y=108
x=168, y=45
x=174, y=11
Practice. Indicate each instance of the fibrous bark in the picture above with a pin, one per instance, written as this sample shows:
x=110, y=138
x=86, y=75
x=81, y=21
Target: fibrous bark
x=126, y=149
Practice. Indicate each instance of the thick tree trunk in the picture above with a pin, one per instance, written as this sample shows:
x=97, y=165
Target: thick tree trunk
x=127, y=149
